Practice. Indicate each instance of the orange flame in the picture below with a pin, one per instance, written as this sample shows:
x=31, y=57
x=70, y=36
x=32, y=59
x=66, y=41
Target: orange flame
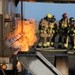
x=29, y=38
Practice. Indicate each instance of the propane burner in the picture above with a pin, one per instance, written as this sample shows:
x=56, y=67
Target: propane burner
x=14, y=39
x=14, y=48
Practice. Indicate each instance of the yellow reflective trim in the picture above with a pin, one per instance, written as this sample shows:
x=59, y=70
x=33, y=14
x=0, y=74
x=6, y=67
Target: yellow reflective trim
x=41, y=30
x=45, y=32
x=74, y=47
x=52, y=43
x=66, y=45
x=74, y=31
x=43, y=24
x=53, y=31
x=44, y=44
x=48, y=43
x=50, y=31
x=46, y=25
x=64, y=25
x=51, y=25
x=40, y=44
x=72, y=34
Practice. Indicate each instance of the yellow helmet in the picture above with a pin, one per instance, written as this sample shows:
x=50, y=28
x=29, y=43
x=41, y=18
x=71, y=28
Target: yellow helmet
x=49, y=15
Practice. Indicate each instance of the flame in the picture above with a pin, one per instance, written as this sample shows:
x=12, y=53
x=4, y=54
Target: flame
x=29, y=38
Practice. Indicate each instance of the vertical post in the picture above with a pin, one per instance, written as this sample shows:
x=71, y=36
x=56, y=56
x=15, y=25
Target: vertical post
x=22, y=15
x=1, y=35
x=21, y=9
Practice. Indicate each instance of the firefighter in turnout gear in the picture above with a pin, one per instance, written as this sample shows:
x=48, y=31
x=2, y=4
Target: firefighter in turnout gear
x=43, y=31
x=52, y=30
x=63, y=31
x=71, y=32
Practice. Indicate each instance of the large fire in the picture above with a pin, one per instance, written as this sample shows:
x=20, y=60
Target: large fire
x=27, y=30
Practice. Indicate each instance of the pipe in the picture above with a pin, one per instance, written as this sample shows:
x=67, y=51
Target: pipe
x=22, y=14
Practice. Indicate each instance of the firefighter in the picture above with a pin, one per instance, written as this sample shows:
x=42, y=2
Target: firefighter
x=43, y=31
x=52, y=30
x=63, y=31
x=71, y=32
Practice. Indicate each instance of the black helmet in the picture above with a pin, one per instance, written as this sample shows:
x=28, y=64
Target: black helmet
x=53, y=19
x=72, y=19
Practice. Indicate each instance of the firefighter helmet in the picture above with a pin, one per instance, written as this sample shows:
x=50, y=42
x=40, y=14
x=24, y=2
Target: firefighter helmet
x=48, y=15
x=64, y=15
x=53, y=19
x=72, y=19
